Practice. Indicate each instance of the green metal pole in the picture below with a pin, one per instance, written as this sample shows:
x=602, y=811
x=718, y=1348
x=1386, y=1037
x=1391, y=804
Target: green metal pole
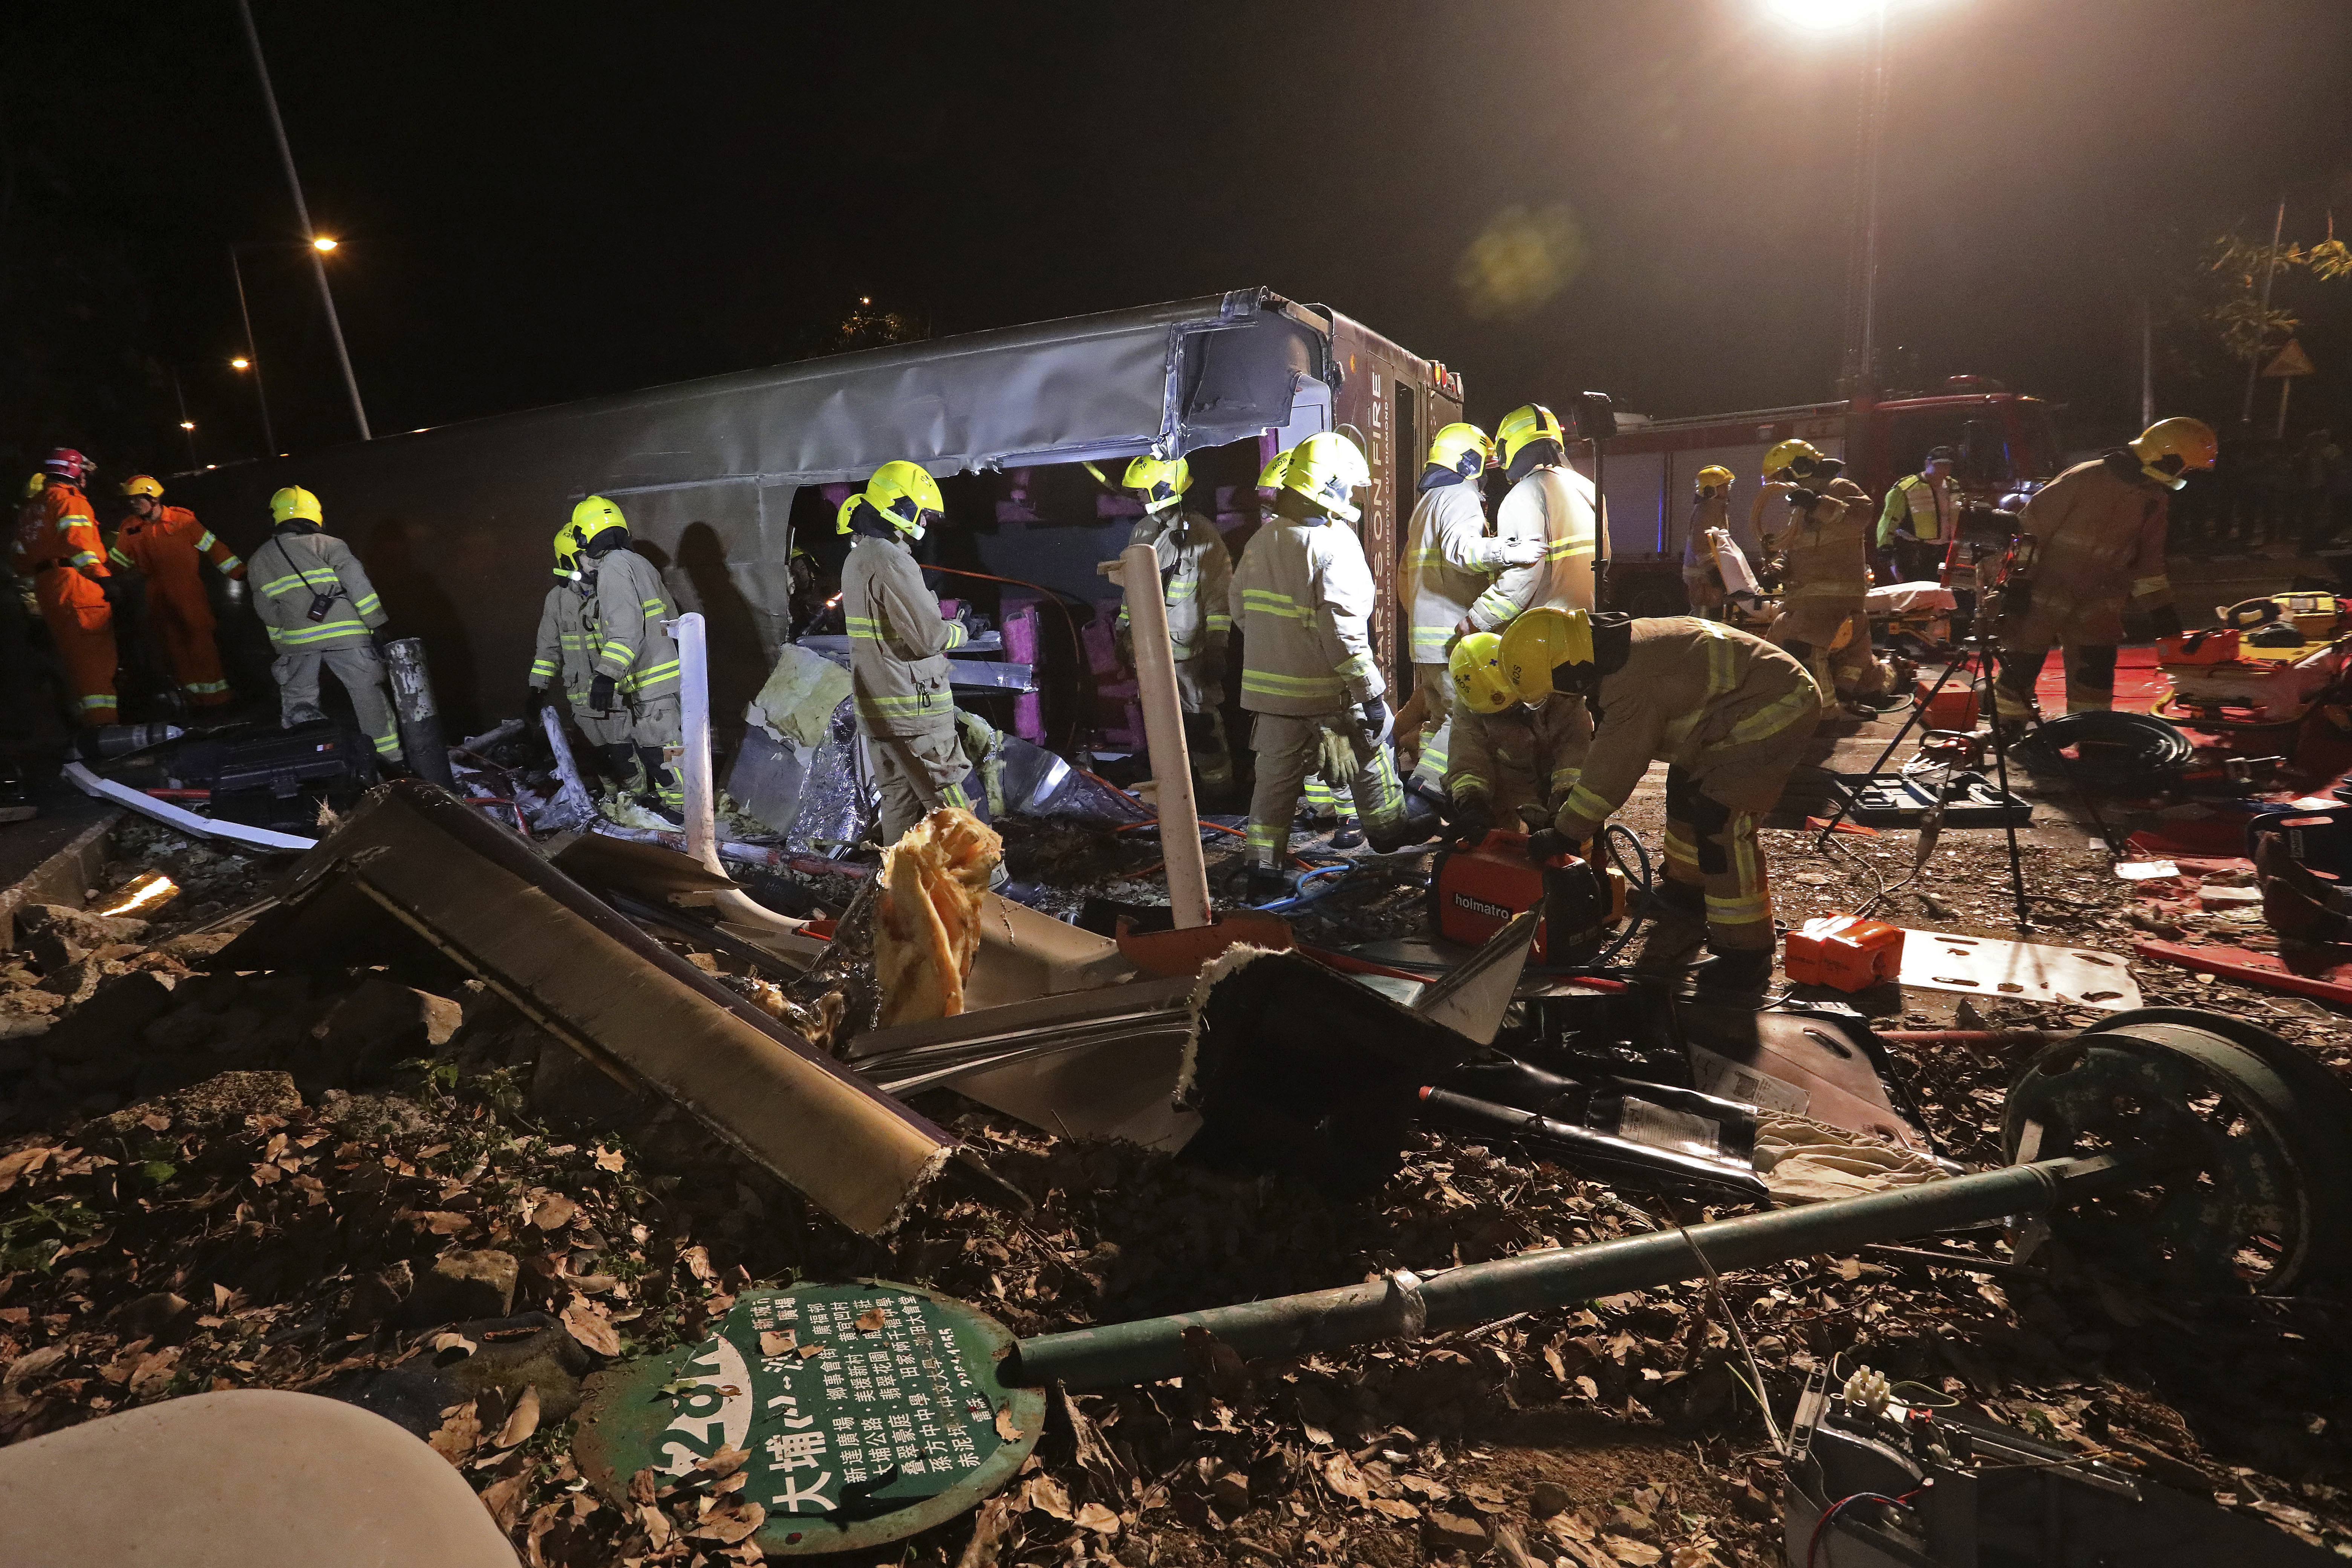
x=1401, y=1307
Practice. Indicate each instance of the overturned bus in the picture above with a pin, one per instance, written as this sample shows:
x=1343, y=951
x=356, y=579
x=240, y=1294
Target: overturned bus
x=730, y=484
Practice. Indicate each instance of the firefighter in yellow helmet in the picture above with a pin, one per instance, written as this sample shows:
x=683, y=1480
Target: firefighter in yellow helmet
x=565, y=655
x=1824, y=550
x=166, y=544
x=1508, y=753
x=1729, y=715
x=320, y=611
x=1195, y=579
x=633, y=690
x=1710, y=513
x=1549, y=506
x=1449, y=559
x=2099, y=539
x=1302, y=598
x=898, y=643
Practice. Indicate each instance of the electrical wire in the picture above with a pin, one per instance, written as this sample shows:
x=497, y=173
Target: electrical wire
x=1822, y=1525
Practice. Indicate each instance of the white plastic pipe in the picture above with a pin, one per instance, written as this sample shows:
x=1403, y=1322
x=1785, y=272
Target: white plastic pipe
x=694, y=705
x=1137, y=571
x=733, y=906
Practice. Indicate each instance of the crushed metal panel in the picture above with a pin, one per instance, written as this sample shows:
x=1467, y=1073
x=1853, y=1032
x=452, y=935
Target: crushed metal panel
x=1024, y=953
x=577, y=968
x=1089, y=1064
x=2018, y=971
x=1804, y=1064
x=652, y=871
x=1472, y=999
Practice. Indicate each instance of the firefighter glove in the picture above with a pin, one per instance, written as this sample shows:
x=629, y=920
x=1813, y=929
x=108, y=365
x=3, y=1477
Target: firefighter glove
x=1549, y=845
x=1522, y=552
x=1803, y=499
x=117, y=590
x=1211, y=664
x=2165, y=620
x=233, y=590
x=1473, y=820
x=1375, y=714
x=534, y=697
x=602, y=699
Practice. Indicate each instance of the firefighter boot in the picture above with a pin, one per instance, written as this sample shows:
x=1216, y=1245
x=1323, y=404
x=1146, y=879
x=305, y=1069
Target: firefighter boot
x=1677, y=916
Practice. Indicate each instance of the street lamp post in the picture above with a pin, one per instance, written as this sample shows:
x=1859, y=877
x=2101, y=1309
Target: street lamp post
x=252, y=353
x=319, y=246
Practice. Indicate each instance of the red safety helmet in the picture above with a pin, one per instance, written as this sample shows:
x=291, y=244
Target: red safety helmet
x=70, y=465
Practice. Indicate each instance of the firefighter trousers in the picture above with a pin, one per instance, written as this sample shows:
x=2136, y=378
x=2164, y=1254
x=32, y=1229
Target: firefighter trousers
x=2090, y=677
x=186, y=631
x=1712, y=848
x=1289, y=746
x=85, y=644
x=1433, y=684
x=917, y=775
x=639, y=743
x=1202, y=700
x=296, y=671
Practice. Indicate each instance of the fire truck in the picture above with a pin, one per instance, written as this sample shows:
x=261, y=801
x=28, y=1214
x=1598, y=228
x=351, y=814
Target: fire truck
x=2004, y=440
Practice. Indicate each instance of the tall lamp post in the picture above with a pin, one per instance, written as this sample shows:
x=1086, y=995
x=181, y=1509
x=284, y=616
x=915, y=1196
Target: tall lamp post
x=302, y=215
x=249, y=361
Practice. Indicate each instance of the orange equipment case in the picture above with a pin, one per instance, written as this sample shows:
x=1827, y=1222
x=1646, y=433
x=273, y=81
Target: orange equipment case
x=1845, y=951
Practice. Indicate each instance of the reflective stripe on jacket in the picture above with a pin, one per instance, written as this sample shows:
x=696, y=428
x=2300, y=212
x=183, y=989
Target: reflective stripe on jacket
x=1196, y=575
x=293, y=568
x=1552, y=506
x=1303, y=599
x=1825, y=548
x=630, y=607
x=1449, y=559
x=897, y=640
x=1687, y=685
x=566, y=657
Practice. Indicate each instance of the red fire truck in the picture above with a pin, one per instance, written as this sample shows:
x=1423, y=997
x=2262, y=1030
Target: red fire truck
x=2003, y=439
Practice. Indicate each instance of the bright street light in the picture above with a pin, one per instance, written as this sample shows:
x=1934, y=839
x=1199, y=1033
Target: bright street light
x=240, y=363
x=323, y=243
x=187, y=424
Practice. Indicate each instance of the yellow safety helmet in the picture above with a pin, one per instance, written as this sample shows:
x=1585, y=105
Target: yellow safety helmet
x=1270, y=477
x=1328, y=469
x=1712, y=478
x=1540, y=640
x=36, y=485
x=1452, y=442
x=1162, y=480
x=567, y=554
x=2169, y=449
x=1530, y=423
x=294, y=503
x=903, y=492
x=593, y=516
x=1789, y=453
x=142, y=485
x=1478, y=679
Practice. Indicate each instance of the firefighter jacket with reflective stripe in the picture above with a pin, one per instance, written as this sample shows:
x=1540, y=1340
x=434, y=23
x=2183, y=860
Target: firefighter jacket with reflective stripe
x=167, y=545
x=1521, y=756
x=296, y=567
x=1687, y=687
x=1699, y=555
x=1825, y=548
x=1925, y=509
x=897, y=640
x=630, y=607
x=1196, y=575
x=57, y=530
x=2099, y=535
x=566, y=657
x=1551, y=507
x=1448, y=562
x=1303, y=599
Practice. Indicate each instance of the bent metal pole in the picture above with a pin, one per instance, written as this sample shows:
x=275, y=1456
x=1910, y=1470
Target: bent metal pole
x=1138, y=571
x=1401, y=1306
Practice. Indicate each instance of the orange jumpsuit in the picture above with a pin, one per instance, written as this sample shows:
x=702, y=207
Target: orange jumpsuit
x=58, y=547
x=164, y=547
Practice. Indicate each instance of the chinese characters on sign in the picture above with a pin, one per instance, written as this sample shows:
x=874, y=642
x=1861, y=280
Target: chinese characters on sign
x=847, y=1390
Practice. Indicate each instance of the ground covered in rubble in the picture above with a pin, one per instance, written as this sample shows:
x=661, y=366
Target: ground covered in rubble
x=264, y=1180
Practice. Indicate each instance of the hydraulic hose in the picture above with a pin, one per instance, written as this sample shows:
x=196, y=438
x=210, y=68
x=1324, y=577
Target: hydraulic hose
x=2114, y=753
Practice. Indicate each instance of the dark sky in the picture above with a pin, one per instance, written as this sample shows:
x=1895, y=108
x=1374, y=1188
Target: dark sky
x=544, y=201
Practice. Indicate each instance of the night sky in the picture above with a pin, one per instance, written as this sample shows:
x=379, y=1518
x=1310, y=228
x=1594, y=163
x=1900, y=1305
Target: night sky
x=541, y=201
